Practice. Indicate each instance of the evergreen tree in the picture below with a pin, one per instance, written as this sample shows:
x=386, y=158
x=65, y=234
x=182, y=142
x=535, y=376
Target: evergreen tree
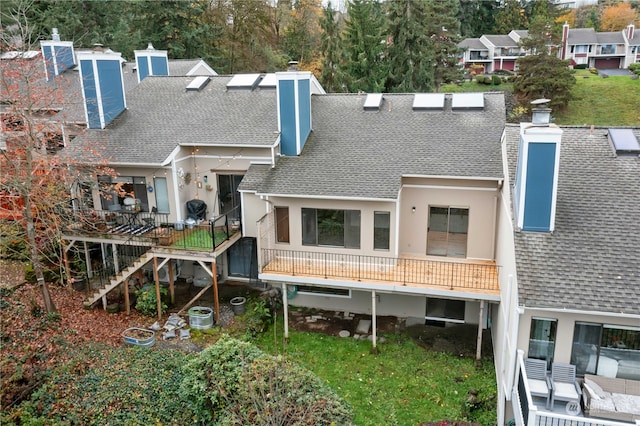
x=477, y=17
x=443, y=29
x=331, y=78
x=510, y=16
x=411, y=48
x=301, y=38
x=543, y=74
x=364, y=46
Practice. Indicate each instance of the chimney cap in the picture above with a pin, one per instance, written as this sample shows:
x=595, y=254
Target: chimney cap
x=55, y=36
x=293, y=65
x=540, y=102
x=150, y=46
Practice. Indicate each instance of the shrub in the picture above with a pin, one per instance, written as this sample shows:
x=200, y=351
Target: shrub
x=580, y=67
x=635, y=68
x=234, y=382
x=147, y=302
x=480, y=79
x=593, y=70
x=496, y=80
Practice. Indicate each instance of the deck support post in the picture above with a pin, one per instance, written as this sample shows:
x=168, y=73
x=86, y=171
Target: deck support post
x=127, y=303
x=87, y=261
x=479, y=340
x=65, y=259
x=285, y=306
x=172, y=292
x=157, y=281
x=374, y=322
x=216, y=299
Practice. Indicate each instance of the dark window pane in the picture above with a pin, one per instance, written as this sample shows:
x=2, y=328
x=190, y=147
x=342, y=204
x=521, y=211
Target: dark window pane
x=330, y=227
x=352, y=229
x=282, y=224
x=381, y=234
x=309, y=228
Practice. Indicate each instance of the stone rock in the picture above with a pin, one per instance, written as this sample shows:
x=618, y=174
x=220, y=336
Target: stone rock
x=344, y=333
x=363, y=326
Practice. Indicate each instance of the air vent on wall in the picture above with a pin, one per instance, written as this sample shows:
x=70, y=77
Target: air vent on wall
x=198, y=84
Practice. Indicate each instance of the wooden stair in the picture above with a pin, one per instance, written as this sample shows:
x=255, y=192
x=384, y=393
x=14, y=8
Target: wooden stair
x=118, y=279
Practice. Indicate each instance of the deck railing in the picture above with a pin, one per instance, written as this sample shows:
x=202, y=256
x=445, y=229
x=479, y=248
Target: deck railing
x=130, y=227
x=404, y=271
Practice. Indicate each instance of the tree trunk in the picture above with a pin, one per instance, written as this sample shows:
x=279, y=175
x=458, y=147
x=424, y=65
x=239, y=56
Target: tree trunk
x=38, y=268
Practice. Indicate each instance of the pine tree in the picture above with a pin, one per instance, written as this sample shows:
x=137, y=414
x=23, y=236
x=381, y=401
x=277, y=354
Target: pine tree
x=477, y=17
x=543, y=74
x=410, y=52
x=510, y=16
x=331, y=78
x=444, y=29
x=364, y=47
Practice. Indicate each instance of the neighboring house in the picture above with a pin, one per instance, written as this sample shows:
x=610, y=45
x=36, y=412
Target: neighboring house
x=582, y=46
x=573, y=4
x=602, y=50
x=493, y=52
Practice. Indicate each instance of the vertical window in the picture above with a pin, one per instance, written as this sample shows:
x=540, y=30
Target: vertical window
x=162, y=194
x=338, y=228
x=381, y=226
x=542, y=339
x=282, y=224
x=447, y=231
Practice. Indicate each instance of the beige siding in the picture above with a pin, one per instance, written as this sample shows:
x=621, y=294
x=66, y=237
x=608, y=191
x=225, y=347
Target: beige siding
x=481, y=203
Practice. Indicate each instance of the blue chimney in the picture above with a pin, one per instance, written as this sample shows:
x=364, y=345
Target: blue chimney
x=58, y=55
x=102, y=86
x=151, y=62
x=536, y=183
x=294, y=110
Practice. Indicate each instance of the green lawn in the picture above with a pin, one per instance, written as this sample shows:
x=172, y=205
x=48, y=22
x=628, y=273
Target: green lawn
x=199, y=239
x=611, y=101
x=403, y=384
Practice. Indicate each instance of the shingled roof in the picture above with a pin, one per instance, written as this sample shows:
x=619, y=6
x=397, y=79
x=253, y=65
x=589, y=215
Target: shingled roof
x=161, y=115
x=353, y=153
x=591, y=260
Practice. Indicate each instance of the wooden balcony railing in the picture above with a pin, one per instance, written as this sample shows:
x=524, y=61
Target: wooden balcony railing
x=405, y=271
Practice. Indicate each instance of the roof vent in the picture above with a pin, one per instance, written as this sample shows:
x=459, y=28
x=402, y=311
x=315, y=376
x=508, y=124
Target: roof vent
x=469, y=101
x=541, y=114
x=373, y=102
x=198, y=83
x=624, y=141
x=244, y=81
x=428, y=101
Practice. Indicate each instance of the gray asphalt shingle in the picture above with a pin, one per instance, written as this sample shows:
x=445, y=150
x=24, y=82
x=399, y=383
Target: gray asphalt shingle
x=591, y=261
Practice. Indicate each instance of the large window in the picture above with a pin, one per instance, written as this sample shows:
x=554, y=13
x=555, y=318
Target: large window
x=542, y=339
x=606, y=350
x=325, y=227
x=282, y=224
x=447, y=231
x=124, y=187
x=381, y=234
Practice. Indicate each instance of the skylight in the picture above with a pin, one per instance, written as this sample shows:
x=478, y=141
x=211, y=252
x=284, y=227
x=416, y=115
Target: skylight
x=244, y=81
x=467, y=101
x=373, y=102
x=428, y=101
x=624, y=141
x=269, y=81
x=198, y=83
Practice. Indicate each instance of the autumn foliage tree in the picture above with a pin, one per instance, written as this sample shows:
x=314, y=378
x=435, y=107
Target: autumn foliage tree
x=38, y=177
x=616, y=17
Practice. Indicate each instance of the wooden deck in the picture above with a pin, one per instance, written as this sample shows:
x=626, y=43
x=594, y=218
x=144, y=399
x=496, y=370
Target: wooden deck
x=426, y=272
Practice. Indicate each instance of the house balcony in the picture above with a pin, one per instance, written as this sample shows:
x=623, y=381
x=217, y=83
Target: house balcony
x=477, y=56
x=150, y=229
x=417, y=275
x=533, y=411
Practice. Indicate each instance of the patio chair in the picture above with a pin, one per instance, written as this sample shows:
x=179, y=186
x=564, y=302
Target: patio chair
x=564, y=384
x=539, y=384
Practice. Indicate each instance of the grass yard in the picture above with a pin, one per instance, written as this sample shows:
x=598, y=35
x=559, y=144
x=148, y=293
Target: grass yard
x=199, y=239
x=403, y=384
x=611, y=101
